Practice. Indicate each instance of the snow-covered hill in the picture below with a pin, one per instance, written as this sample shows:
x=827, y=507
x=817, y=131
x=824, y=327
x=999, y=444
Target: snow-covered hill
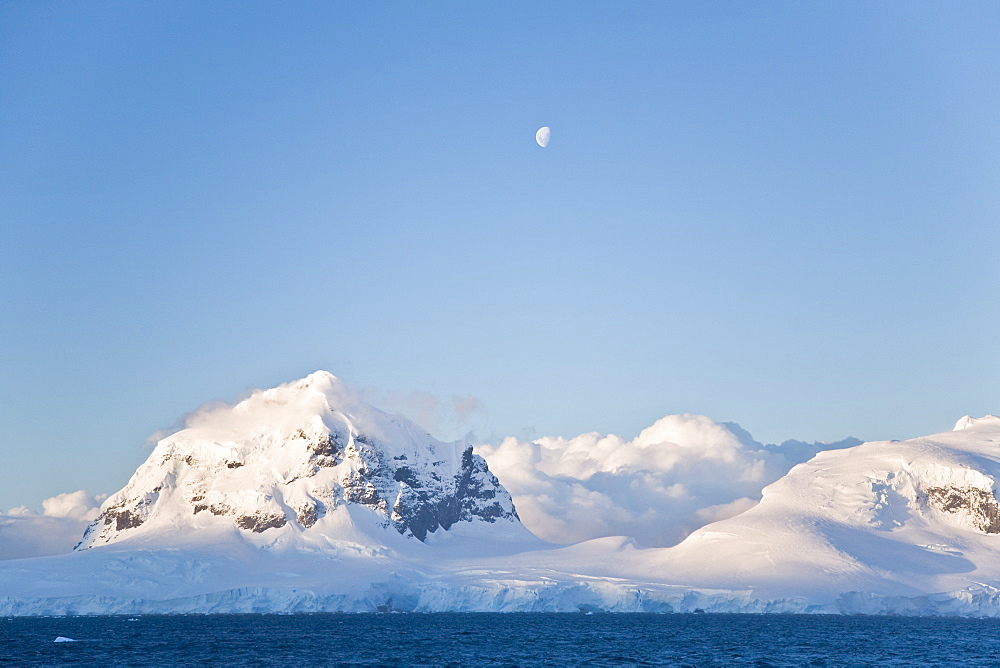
x=304, y=498
x=898, y=519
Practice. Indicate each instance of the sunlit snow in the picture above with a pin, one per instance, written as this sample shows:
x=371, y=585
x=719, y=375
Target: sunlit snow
x=908, y=527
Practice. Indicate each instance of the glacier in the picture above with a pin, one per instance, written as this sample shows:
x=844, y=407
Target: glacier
x=303, y=498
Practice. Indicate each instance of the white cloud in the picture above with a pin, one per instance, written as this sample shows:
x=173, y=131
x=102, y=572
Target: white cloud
x=676, y=476
x=77, y=505
x=60, y=526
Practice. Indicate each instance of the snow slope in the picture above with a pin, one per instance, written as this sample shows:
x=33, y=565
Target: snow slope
x=218, y=520
x=886, y=519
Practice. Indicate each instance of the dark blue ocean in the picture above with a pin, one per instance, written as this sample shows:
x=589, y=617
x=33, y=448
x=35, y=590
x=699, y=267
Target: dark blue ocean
x=499, y=639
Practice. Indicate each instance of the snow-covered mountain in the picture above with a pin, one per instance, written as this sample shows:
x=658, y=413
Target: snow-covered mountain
x=305, y=462
x=890, y=521
x=304, y=498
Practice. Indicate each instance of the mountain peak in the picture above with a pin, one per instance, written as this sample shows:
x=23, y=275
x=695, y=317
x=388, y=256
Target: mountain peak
x=306, y=459
x=322, y=382
x=318, y=376
x=968, y=421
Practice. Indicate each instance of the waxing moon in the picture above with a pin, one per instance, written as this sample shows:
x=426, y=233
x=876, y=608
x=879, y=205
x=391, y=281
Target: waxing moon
x=542, y=136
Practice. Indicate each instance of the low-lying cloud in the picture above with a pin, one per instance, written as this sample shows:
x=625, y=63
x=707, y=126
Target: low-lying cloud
x=56, y=530
x=681, y=473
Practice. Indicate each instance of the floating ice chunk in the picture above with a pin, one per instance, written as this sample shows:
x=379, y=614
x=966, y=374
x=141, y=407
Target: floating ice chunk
x=64, y=639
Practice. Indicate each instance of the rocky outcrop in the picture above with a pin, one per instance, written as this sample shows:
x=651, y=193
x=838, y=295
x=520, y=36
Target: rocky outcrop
x=978, y=505
x=423, y=506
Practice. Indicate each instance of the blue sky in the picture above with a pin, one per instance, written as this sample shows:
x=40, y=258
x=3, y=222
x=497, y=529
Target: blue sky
x=779, y=214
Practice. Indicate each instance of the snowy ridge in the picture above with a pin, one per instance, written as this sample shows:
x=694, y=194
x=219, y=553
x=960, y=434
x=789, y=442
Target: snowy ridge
x=968, y=421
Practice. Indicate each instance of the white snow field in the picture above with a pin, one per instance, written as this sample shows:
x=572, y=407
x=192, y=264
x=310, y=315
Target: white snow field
x=303, y=498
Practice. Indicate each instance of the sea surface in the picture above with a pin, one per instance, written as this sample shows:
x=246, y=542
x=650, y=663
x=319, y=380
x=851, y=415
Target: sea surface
x=499, y=639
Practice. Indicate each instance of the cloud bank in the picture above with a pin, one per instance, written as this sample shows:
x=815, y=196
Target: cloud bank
x=681, y=473
x=59, y=527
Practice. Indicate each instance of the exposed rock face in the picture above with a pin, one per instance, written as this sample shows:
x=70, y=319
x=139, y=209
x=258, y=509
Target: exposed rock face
x=473, y=492
x=980, y=506
x=290, y=456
